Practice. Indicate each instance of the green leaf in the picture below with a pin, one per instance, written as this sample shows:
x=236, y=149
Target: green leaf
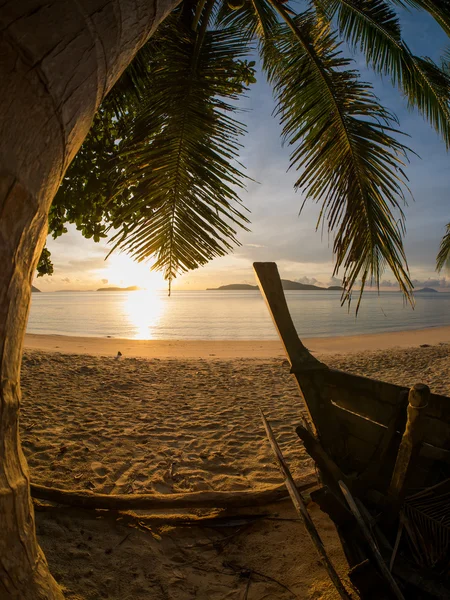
x=345, y=148
x=373, y=27
x=443, y=257
x=180, y=159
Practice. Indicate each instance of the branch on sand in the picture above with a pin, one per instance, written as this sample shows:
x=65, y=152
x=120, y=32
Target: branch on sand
x=238, y=499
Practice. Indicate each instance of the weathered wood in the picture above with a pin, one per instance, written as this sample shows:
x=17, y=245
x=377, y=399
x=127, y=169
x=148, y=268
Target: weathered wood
x=433, y=586
x=270, y=285
x=365, y=436
x=330, y=471
x=409, y=448
x=242, y=498
x=300, y=506
x=386, y=444
x=367, y=580
x=396, y=544
x=333, y=506
x=369, y=432
x=376, y=400
x=307, y=370
x=371, y=542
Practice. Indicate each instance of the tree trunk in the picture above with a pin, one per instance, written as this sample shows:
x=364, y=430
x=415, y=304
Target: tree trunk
x=58, y=59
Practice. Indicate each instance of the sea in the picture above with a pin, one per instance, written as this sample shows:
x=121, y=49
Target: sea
x=227, y=315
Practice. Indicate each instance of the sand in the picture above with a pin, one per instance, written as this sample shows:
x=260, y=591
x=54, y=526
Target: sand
x=135, y=425
x=232, y=349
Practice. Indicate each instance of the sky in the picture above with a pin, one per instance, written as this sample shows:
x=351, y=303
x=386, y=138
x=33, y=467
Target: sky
x=278, y=233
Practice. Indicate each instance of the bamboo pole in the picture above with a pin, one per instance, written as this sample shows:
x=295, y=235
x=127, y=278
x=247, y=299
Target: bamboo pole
x=300, y=506
x=418, y=398
x=369, y=539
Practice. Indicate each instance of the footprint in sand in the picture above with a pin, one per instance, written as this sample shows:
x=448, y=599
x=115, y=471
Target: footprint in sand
x=99, y=469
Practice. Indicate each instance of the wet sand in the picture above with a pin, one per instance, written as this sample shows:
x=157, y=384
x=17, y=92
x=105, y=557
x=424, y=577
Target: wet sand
x=225, y=349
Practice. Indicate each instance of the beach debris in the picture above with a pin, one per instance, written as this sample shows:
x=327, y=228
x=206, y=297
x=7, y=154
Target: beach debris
x=201, y=499
x=425, y=345
x=247, y=572
x=370, y=541
x=119, y=354
x=87, y=369
x=301, y=509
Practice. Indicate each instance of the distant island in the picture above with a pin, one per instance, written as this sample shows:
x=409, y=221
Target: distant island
x=132, y=288
x=286, y=283
x=34, y=289
x=425, y=289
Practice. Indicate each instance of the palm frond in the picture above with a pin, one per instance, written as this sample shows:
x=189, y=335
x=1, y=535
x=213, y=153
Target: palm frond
x=373, y=27
x=344, y=145
x=255, y=18
x=438, y=9
x=181, y=158
x=443, y=257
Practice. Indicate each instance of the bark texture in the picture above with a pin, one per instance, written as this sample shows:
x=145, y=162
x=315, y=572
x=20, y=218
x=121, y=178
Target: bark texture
x=58, y=59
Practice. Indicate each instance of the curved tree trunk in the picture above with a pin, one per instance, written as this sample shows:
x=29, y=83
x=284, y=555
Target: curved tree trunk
x=58, y=59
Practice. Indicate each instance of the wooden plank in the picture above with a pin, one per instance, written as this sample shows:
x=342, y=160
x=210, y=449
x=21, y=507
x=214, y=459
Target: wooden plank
x=359, y=427
x=364, y=437
x=306, y=369
x=372, y=398
x=272, y=291
x=388, y=444
x=418, y=398
x=331, y=473
x=371, y=542
x=301, y=509
x=382, y=405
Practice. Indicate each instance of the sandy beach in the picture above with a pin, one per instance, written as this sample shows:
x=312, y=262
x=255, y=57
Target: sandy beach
x=163, y=421
x=207, y=349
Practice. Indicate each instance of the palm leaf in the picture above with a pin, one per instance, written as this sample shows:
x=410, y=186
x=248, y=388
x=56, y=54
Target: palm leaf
x=344, y=145
x=373, y=27
x=443, y=257
x=438, y=9
x=181, y=158
x=255, y=19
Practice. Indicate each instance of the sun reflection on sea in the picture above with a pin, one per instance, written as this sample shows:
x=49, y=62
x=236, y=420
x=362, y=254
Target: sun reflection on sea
x=144, y=309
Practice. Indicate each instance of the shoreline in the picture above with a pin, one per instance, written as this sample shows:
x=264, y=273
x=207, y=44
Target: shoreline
x=230, y=349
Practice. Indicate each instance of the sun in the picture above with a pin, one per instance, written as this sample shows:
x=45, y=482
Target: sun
x=123, y=271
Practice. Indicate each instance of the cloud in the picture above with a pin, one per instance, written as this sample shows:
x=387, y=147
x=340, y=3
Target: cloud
x=105, y=281
x=334, y=281
x=442, y=283
x=307, y=280
x=65, y=280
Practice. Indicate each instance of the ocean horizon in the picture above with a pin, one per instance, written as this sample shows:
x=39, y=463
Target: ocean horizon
x=227, y=315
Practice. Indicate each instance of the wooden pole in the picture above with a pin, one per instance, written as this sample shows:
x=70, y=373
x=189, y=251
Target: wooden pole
x=369, y=539
x=300, y=506
x=331, y=473
x=307, y=370
x=418, y=398
x=241, y=498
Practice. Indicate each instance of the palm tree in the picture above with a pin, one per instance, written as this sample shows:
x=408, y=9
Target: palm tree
x=58, y=61
x=166, y=200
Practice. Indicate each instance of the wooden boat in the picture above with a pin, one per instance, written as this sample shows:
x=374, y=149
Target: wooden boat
x=383, y=455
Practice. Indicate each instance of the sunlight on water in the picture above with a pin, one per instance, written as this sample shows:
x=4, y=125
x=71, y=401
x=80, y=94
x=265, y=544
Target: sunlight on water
x=143, y=310
x=226, y=315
